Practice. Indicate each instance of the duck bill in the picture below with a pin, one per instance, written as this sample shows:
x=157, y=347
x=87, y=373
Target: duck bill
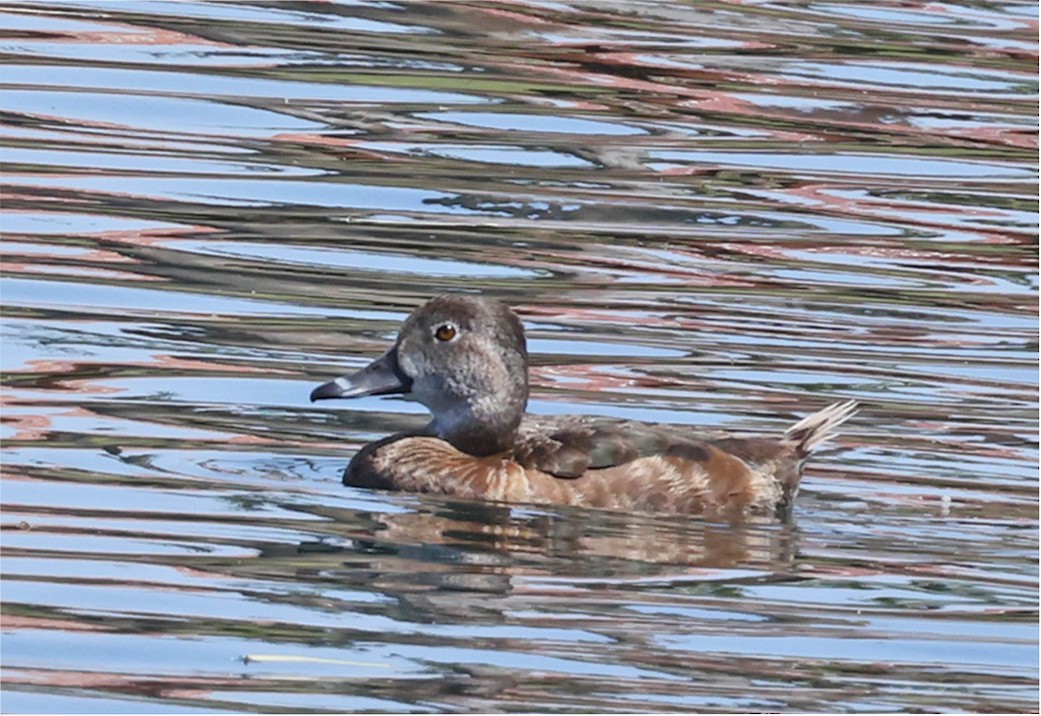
x=380, y=377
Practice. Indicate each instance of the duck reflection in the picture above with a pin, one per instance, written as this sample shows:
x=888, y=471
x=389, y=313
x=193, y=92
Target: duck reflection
x=451, y=545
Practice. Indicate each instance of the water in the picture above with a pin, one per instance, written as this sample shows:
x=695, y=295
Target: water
x=715, y=214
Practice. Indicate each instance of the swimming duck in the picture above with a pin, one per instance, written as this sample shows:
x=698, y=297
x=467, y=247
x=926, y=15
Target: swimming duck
x=465, y=358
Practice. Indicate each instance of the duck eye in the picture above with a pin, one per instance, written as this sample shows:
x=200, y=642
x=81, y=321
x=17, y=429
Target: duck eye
x=445, y=332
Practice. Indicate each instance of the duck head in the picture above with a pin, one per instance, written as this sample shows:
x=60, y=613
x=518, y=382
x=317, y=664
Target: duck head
x=465, y=358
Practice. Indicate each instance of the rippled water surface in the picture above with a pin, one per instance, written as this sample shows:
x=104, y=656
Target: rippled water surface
x=724, y=214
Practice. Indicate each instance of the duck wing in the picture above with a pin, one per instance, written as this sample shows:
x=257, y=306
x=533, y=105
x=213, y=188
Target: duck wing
x=569, y=447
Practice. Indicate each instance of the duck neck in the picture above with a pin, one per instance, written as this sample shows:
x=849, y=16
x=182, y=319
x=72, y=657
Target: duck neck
x=478, y=429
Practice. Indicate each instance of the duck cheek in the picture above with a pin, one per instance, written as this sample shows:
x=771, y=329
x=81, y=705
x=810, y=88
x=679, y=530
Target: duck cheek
x=408, y=362
x=429, y=391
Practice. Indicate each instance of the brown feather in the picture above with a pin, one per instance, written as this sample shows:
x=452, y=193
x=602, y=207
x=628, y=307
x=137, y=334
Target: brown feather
x=604, y=463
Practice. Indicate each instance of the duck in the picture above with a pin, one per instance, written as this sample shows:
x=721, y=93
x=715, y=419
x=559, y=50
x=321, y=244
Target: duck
x=465, y=358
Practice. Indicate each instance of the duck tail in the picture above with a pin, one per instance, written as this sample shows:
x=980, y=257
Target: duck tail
x=813, y=430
